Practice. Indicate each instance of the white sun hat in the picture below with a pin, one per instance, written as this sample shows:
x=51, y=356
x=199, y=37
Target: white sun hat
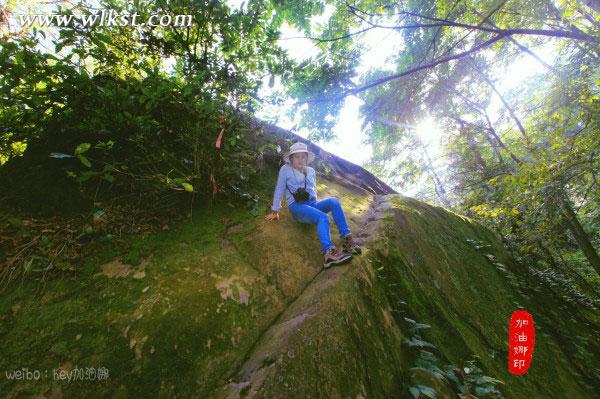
x=298, y=147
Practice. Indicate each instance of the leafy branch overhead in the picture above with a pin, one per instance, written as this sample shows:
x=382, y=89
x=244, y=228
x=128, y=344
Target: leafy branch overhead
x=422, y=21
x=522, y=159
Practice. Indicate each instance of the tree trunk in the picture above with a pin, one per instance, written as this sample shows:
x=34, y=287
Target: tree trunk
x=579, y=233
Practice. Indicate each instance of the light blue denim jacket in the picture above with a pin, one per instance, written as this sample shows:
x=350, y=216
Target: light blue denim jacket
x=294, y=179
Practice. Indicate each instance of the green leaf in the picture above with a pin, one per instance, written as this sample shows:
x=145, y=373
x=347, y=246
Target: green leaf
x=109, y=178
x=487, y=380
x=85, y=161
x=98, y=43
x=98, y=213
x=255, y=211
x=426, y=391
x=81, y=148
x=86, y=175
x=414, y=341
x=187, y=187
x=418, y=326
x=59, y=155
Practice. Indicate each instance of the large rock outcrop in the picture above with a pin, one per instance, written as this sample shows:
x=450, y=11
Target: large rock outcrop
x=229, y=305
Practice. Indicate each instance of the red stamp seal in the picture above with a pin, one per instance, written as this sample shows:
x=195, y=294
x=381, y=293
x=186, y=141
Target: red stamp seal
x=521, y=341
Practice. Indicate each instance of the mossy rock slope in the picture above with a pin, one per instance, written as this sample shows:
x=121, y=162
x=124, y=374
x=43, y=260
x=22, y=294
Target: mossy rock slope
x=227, y=304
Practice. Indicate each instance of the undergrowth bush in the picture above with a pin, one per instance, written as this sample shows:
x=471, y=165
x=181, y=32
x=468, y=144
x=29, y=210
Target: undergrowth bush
x=80, y=145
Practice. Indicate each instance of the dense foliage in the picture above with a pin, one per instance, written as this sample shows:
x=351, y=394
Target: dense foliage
x=523, y=161
x=114, y=125
x=146, y=109
x=151, y=111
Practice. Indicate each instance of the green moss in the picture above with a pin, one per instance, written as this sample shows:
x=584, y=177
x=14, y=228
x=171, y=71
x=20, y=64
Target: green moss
x=178, y=309
x=215, y=283
x=467, y=300
x=195, y=337
x=349, y=348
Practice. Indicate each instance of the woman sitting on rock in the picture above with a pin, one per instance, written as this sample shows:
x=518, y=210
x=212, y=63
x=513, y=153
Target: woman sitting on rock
x=299, y=181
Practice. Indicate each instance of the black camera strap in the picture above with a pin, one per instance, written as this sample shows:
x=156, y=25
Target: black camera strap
x=294, y=176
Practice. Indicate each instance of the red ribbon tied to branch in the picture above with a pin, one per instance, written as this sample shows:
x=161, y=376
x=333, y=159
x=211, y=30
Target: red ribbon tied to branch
x=220, y=137
x=521, y=341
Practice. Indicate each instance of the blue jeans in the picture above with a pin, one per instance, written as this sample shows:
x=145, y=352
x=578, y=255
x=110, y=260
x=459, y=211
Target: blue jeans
x=316, y=213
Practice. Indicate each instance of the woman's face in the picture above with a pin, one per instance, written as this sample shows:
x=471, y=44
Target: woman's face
x=299, y=159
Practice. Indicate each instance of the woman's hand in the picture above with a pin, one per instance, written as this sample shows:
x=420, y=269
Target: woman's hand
x=274, y=215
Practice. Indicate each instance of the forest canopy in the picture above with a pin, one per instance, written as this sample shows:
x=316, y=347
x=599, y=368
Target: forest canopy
x=140, y=108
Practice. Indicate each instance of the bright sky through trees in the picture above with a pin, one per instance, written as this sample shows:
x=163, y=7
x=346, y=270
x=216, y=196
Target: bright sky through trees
x=489, y=109
x=380, y=45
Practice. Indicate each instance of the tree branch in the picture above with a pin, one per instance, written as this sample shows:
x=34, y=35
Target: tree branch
x=490, y=126
x=484, y=20
x=504, y=102
x=331, y=39
x=377, y=82
x=522, y=47
x=577, y=35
